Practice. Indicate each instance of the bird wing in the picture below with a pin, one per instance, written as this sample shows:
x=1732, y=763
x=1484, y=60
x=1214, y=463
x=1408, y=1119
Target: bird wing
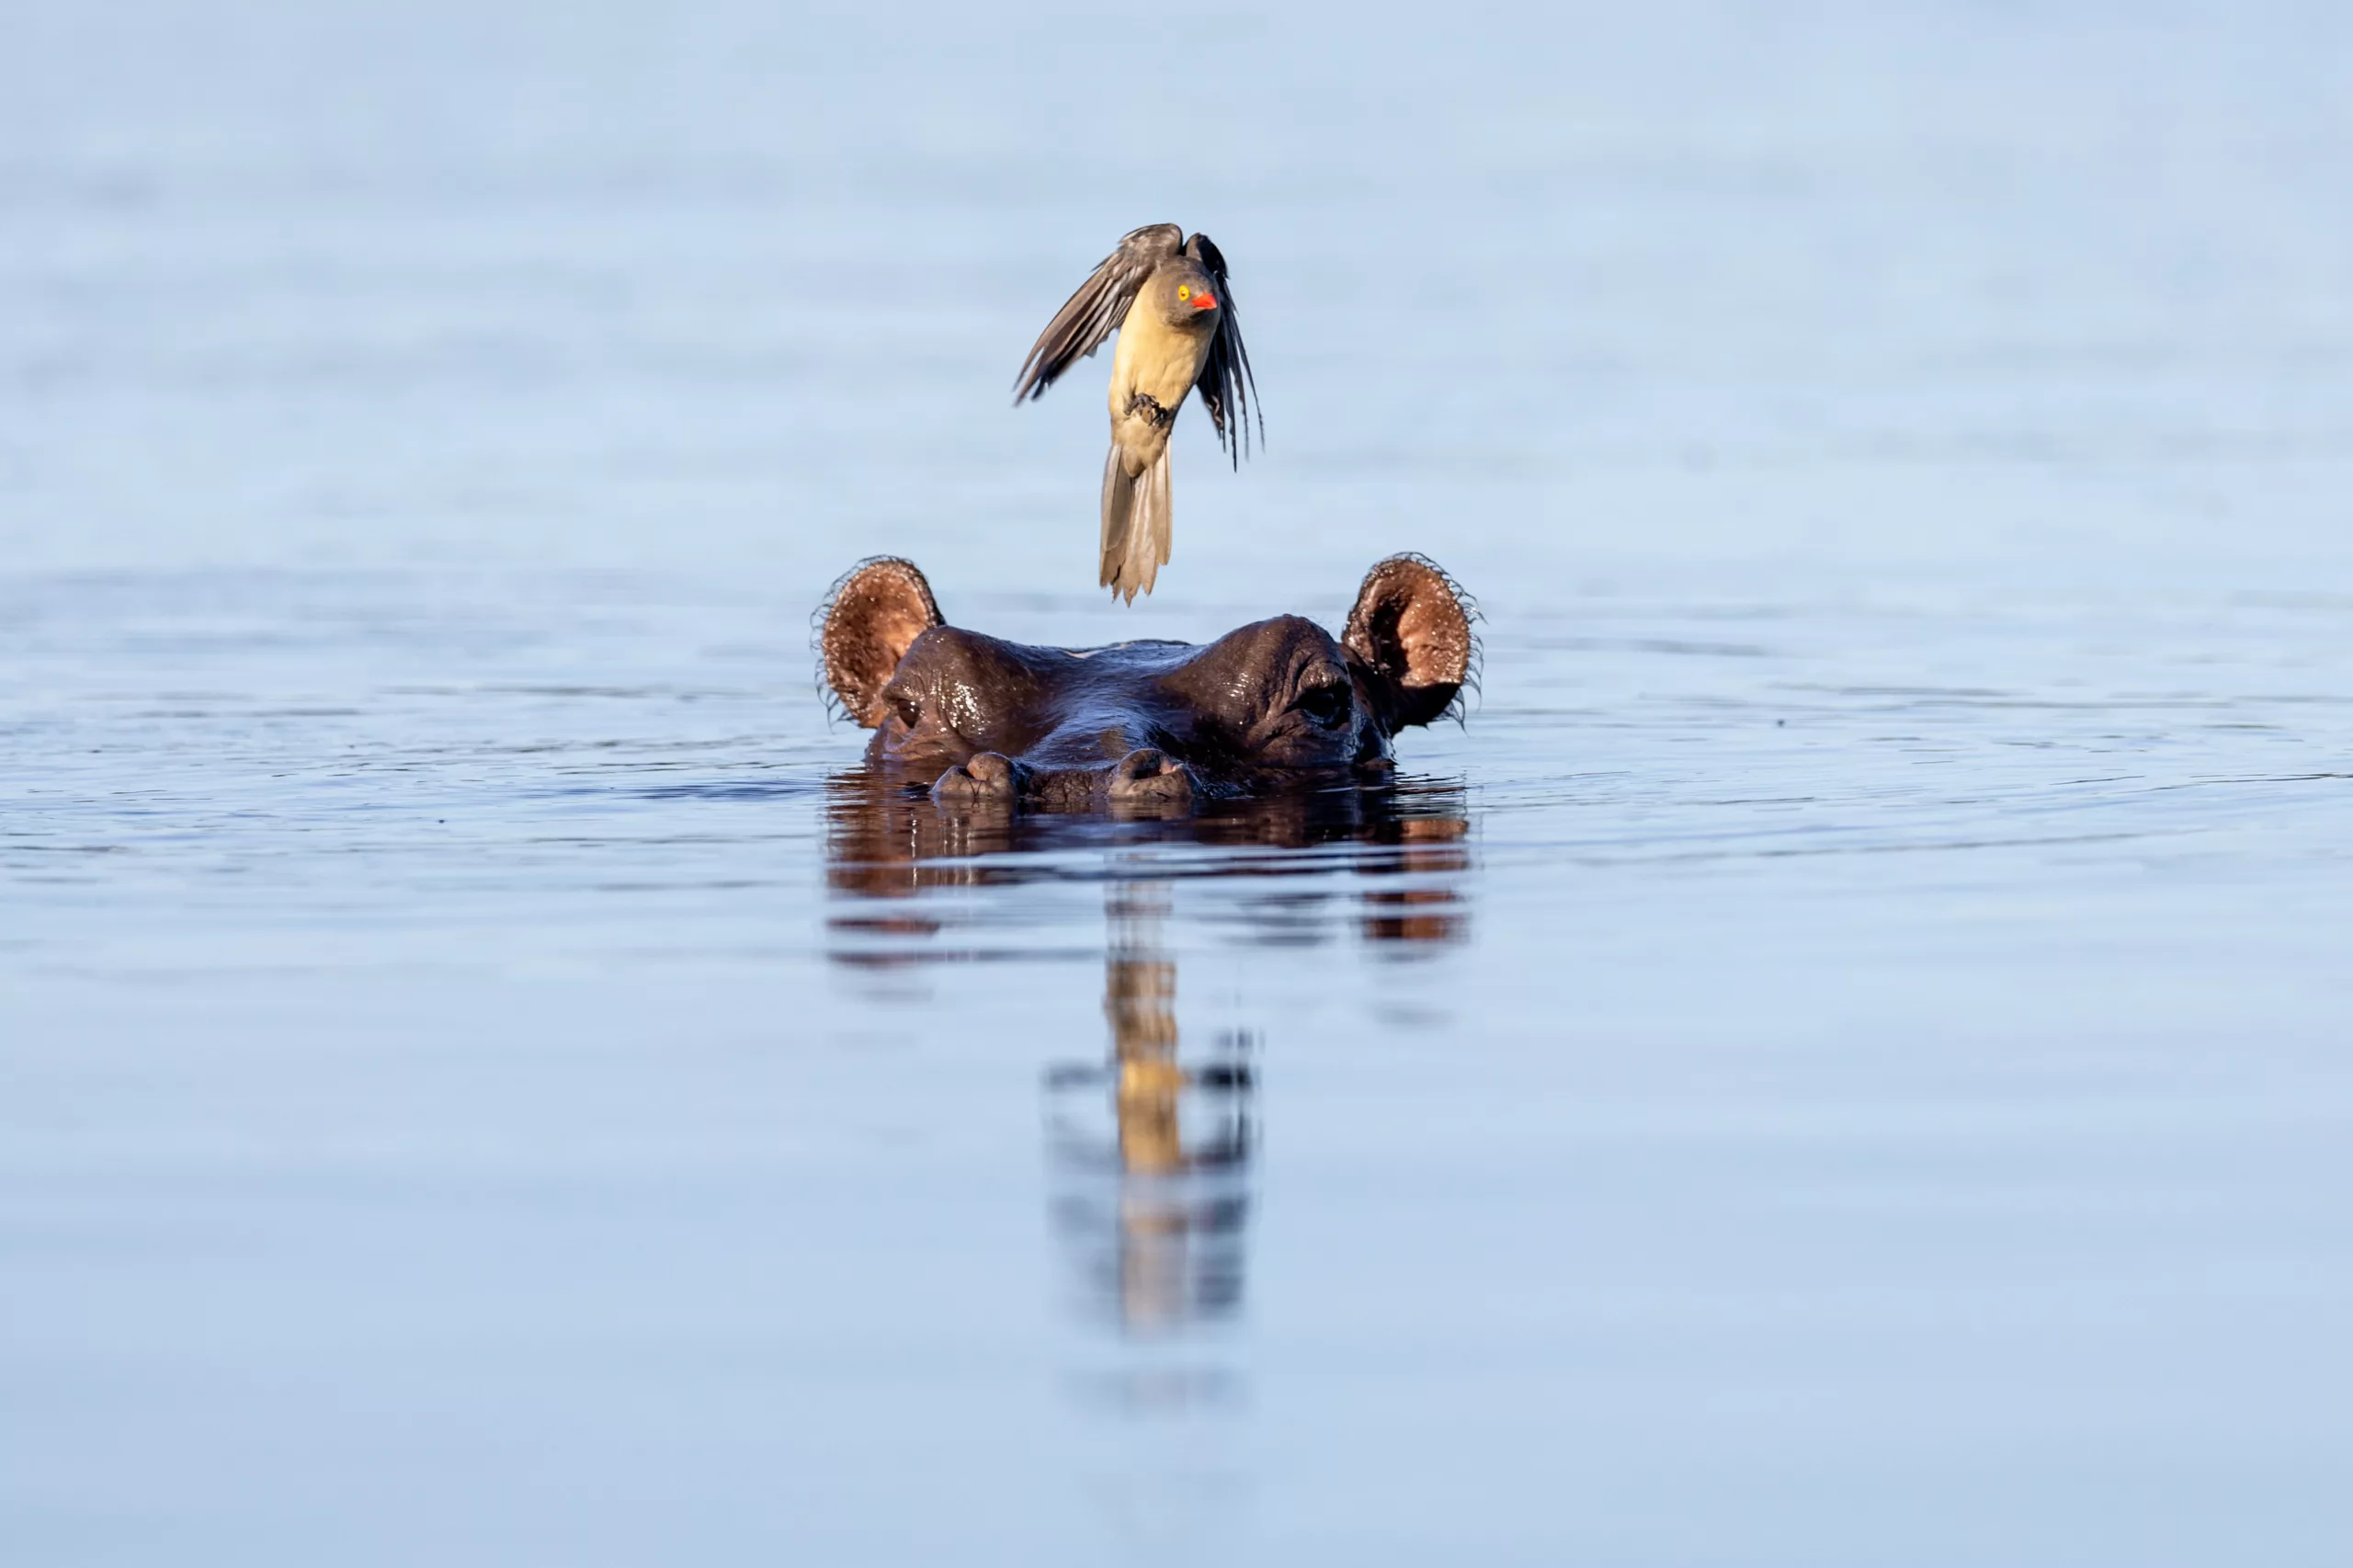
x=1094, y=311
x=1226, y=384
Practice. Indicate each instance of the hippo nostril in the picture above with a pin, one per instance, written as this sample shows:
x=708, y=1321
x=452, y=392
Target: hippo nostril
x=986, y=777
x=1148, y=776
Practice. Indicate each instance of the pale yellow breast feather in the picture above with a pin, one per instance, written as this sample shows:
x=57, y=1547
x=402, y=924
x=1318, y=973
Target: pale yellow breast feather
x=1155, y=358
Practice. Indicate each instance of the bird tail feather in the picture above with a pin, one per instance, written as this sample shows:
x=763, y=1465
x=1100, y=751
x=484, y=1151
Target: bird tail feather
x=1136, y=516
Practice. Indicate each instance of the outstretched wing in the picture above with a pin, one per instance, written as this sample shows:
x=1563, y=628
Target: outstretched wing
x=1226, y=385
x=1094, y=311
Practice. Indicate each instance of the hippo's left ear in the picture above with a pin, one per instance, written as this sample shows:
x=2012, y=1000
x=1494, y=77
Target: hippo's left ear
x=1410, y=636
x=864, y=629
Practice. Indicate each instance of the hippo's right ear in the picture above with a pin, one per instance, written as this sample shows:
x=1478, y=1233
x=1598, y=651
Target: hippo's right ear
x=1410, y=636
x=864, y=627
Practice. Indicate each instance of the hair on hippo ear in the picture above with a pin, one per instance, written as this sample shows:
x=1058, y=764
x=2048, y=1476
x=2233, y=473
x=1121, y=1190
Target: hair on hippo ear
x=869, y=618
x=1410, y=632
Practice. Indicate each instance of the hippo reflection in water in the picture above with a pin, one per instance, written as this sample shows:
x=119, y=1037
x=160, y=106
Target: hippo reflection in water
x=1152, y=1204
x=1276, y=702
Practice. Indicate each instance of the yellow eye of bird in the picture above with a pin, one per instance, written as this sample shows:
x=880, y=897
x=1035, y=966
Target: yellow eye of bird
x=1184, y=291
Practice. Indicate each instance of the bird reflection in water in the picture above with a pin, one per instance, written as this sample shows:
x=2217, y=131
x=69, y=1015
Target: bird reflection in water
x=1154, y=1212
x=1152, y=1151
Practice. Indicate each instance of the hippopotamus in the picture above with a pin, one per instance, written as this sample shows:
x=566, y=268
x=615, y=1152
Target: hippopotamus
x=1275, y=703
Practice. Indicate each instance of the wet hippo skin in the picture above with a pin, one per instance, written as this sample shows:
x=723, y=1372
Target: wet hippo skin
x=1272, y=704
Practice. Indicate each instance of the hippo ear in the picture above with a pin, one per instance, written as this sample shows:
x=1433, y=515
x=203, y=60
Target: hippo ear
x=1410, y=637
x=864, y=627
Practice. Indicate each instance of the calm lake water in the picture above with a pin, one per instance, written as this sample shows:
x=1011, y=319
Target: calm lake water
x=1841, y=1059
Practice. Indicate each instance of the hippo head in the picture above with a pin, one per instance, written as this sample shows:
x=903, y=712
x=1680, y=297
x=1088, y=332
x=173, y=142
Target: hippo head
x=979, y=718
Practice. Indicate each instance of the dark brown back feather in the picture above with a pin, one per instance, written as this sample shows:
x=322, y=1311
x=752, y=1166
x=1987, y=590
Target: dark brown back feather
x=1089, y=316
x=1226, y=384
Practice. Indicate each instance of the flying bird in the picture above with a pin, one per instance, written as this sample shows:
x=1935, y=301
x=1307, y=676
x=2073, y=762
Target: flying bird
x=1168, y=299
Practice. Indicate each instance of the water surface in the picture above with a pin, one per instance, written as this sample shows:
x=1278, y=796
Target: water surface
x=1839, y=1059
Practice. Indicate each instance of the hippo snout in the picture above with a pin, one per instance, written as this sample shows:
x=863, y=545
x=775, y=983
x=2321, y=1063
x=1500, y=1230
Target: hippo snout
x=1145, y=777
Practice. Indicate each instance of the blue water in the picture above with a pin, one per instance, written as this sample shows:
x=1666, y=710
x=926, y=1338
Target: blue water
x=1838, y=1060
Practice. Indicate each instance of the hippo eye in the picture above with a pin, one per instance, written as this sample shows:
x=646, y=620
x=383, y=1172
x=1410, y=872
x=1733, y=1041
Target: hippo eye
x=906, y=706
x=1325, y=705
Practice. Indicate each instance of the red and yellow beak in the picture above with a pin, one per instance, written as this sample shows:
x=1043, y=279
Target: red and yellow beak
x=1204, y=300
